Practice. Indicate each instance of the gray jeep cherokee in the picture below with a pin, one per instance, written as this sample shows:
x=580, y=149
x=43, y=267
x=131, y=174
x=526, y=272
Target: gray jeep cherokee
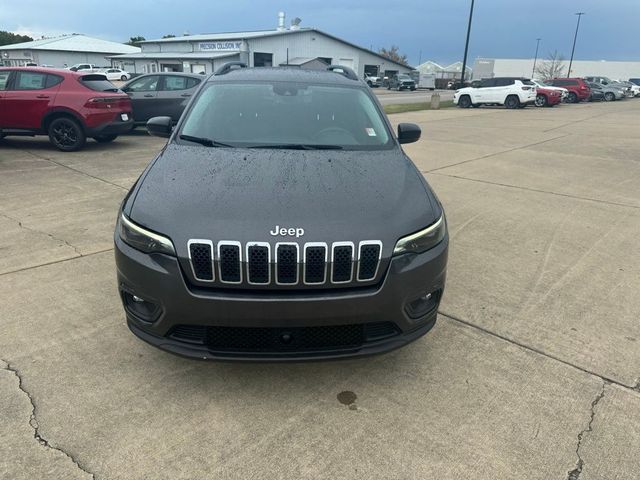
x=282, y=221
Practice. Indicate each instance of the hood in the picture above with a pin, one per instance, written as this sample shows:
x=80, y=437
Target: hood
x=242, y=194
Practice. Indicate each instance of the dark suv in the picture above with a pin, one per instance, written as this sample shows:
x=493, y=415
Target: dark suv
x=401, y=82
x=578, y=88
x=282, y=221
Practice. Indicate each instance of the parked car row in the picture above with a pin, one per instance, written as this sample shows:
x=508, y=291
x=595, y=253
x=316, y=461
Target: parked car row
x=518, y=92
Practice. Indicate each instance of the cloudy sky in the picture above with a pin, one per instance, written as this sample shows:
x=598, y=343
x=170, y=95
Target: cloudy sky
x=423, y=29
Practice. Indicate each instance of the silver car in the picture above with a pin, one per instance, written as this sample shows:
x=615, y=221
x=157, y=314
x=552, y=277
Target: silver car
x=161, y=94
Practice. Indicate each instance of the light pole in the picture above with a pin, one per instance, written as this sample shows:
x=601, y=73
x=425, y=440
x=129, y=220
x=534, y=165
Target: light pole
x=466, y=47
x=533, y=70
x=579, y=14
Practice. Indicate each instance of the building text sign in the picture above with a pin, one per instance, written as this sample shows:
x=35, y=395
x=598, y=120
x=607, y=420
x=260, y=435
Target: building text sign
x=220, y=46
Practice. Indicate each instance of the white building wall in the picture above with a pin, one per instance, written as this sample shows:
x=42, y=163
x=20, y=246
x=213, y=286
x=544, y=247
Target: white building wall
x=57, y=58
x=503, y=67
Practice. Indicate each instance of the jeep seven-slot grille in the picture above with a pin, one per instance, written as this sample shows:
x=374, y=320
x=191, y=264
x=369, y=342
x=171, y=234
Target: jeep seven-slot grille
x=288, y=263
x=201, y=255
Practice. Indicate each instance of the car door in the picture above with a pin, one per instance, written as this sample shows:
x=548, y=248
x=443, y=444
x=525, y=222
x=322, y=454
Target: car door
x=4, y=84
x=143, y=92
x=482, y=94
x=174, y=94
x=501, y=90
x=29, y=97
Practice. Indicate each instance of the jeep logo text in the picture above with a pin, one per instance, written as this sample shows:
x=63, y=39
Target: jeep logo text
x=283, y=231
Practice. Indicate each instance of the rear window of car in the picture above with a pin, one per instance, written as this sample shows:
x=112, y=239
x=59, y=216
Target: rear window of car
x=98, y=83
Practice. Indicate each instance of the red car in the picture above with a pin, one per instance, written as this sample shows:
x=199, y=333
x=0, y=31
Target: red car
x=68, y=106
x=547, y=97
x=578, y=88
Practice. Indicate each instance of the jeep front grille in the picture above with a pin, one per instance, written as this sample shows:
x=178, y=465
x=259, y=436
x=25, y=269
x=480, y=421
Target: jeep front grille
x=287, y=263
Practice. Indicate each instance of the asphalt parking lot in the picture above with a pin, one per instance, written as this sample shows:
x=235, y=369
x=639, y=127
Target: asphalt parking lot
x=531, y=372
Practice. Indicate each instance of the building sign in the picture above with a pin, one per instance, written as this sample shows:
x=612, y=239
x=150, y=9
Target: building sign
x=220, y=46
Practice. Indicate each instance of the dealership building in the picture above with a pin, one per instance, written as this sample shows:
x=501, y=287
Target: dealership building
x=293, y=46
x=518, y=67
x=63, y=51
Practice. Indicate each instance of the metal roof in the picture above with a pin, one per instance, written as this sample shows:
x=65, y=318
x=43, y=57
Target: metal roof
x=73, y=43
x=189, y=55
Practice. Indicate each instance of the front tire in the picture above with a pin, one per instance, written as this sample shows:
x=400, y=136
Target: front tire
x=123, y=78
x=609, y=97
x=464, y=101
x=512, y=101
x=541, y=100
x=66, y=134
x=105, y=138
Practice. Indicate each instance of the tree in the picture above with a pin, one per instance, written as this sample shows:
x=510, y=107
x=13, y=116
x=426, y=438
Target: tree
x=552, y=67
x=169, y=35
x=8, y=38
x=135, y=41
x=394, y=54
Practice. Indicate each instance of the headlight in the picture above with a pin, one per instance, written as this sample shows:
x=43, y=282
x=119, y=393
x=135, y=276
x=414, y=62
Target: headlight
x=142, y=239
x=423, y=240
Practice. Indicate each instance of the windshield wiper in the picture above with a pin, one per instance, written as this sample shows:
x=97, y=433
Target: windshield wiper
x=299, y=146
x=207, y=142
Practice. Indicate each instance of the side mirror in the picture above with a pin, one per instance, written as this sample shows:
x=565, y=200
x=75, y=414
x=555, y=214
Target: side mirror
x=160, y=126
x=408, y=132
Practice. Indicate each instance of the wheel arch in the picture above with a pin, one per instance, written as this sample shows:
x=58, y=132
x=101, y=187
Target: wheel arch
x=61, y=112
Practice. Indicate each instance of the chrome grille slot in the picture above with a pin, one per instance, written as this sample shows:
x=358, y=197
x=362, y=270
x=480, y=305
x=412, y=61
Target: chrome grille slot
x=342, y=262
x=201, y=257
x=258, y=263
x=287, y=259
x=369, y=259
x=229, y=260
x=315, y=263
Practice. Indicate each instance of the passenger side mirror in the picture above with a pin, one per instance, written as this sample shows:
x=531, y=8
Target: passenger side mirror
x=408, y=132
x=160, y=126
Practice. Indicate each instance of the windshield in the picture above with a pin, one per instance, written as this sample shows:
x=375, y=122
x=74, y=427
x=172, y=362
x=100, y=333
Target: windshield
x=286, y=114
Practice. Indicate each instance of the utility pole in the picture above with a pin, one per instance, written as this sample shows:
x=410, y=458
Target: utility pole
x=579, y=14
x=466, y=46
x=533, y=70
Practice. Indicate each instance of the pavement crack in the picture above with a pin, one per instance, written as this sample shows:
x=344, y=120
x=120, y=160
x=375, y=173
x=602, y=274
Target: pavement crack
x=41, y=157
x=576, y=472
x=50, y=235
x=33, y=420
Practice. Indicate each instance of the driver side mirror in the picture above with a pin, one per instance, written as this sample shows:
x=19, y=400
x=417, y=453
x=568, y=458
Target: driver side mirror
x=408, y=132
x=160, y=126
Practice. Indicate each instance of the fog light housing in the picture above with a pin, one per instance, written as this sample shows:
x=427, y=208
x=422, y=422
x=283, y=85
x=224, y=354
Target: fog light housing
x=424, y=304
x=140, y=308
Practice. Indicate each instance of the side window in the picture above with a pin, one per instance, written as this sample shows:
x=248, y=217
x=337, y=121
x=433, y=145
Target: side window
x=53, y=80
x=31, y=81
x=487, y=82
x=571, y=82
x=172, y=83
x=4, y=79
x=192, y=82
x=146, y=84
x=504, y=82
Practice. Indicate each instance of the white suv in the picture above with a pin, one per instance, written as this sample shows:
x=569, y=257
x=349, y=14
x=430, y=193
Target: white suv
x=512, y=92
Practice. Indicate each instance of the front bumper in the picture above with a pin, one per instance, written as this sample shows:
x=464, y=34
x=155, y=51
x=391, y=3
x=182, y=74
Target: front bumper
x=158, y=279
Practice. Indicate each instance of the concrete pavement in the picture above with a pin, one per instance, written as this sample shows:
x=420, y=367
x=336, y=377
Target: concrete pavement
x=531, y=371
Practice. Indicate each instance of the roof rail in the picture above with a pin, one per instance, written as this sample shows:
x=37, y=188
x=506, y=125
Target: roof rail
x=227, y=67
x=342, y=70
